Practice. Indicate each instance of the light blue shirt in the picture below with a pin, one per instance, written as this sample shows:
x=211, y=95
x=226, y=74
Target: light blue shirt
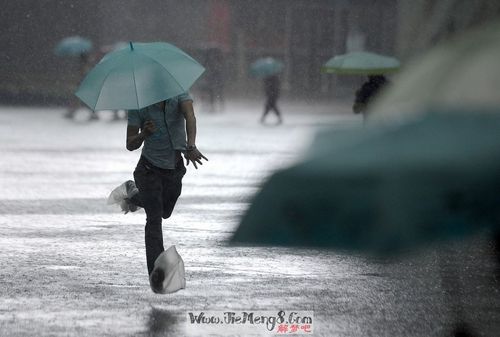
x=170, y=135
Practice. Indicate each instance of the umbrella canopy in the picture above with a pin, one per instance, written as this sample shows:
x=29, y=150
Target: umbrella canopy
x=461, y=73
x=73, y=46
x=384, y=189
x=361, y=63
x=265, y=67
x=138, y=76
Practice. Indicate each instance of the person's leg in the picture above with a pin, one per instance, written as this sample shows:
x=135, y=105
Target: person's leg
x=132, y=200
x=70, y=113
x=116, y=115
x=135, y=200
x=73, y=106
x=156, y=280
x=267, y=108
x=272, y=106
x=127, y=196
x=93, y=116
x=172, y=187
x=148, y=182
x=276, y=110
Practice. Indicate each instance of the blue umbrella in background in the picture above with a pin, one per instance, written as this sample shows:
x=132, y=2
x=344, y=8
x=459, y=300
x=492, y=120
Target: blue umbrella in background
x=265, y=67
x=385, y=189
x=73, y=46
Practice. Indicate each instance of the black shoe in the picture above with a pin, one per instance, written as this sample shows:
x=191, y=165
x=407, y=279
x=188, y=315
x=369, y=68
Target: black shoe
x=129, y=206
x=131, y=191
x=157, y=278
x=131, y=188
x=123, y=195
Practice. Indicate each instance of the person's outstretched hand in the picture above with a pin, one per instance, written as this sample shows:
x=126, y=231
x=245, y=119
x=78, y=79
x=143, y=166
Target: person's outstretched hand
x=194, y=156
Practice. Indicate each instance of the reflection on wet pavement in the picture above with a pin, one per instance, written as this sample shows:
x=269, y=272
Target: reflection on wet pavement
x=161, y=323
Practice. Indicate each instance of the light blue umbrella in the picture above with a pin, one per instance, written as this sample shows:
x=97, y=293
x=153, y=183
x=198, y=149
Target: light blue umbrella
x=138, y=76
x=384, y=189
x=73, y=46
x=267, y=66
x=361, y=63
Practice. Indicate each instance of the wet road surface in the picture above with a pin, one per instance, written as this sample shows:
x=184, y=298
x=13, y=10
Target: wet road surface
x=73, y=266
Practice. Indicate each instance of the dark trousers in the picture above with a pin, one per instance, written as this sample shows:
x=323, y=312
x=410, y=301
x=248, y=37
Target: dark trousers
x=271, y=105
x=158, y=193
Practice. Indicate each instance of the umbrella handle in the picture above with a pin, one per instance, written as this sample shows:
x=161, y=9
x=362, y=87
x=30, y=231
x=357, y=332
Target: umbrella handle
x=131, y=45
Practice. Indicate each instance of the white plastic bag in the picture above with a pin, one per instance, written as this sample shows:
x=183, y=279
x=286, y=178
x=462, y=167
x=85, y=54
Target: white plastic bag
x=172, y=265
x=117, y=195
x=121, y=194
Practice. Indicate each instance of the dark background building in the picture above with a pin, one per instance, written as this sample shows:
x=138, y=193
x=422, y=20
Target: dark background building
x=304, y=34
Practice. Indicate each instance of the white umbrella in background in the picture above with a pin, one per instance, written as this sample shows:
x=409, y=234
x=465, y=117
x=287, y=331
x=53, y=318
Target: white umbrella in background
x=361, y=63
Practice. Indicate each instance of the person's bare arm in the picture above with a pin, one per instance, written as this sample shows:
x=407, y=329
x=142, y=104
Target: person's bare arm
x=136, y=138
x=193, y=154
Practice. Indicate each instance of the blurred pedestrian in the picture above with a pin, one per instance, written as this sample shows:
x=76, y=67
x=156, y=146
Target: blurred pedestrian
x=166, y=129
x=272, y=86
x=86, y=61
x=214, y=77
x=367, y=92
x=84, y=65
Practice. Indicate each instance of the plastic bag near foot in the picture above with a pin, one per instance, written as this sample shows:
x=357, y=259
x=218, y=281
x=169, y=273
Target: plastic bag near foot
x=168, y=275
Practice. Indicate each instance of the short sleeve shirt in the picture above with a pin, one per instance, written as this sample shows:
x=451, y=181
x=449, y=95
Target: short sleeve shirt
x=170, y=135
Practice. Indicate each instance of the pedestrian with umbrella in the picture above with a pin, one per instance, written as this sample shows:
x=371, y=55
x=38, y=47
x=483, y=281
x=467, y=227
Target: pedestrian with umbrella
x=76, y=47
x=214, y=77
x=363, y=63
x=268, y=69
x=150, y=80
